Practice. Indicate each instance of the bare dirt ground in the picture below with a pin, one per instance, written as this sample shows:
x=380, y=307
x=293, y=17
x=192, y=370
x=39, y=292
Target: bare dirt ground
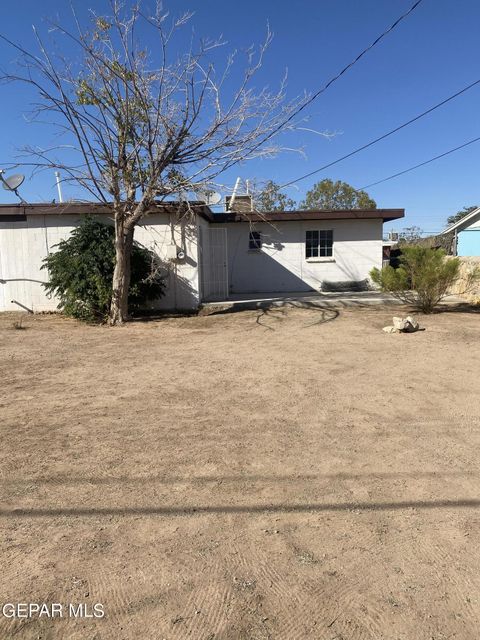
x=282, y=475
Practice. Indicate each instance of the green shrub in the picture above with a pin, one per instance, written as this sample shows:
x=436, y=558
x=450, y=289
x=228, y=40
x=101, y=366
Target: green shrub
x=81, y=273
x=422, y=279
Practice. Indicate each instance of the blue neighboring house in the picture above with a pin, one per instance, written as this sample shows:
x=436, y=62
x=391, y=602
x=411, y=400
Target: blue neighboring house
x=466, y=234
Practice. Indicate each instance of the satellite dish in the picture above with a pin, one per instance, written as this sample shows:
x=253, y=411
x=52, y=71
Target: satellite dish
x=212, y=197
x=13, y=182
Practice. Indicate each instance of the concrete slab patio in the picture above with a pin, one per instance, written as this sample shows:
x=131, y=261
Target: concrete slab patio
x=310, y=299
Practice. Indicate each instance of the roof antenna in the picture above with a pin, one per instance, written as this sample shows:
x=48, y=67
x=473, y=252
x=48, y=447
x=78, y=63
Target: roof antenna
x=234, y=194
x=12, y=183
x=59, y=186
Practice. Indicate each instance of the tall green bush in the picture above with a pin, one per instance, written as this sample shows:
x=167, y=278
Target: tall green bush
x=81, y=272
x=423, y=278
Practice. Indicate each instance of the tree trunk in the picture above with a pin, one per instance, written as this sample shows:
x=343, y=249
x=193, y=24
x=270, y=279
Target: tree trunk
x=121, y=274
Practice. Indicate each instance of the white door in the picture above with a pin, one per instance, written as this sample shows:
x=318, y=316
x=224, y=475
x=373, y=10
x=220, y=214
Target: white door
x=214, y=263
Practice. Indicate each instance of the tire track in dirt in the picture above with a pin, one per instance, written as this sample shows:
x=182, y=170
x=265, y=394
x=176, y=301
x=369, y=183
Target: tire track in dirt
x=324, y=598
x=205, y=611
x=16, y=628
x=227, y=606
x=204, y=614
x=126, y=597
x=338, y=603
x=254, y=566
x=324, y=592
x=348, y=612
x=17, y=570
x=110, y=589
x=449, y=581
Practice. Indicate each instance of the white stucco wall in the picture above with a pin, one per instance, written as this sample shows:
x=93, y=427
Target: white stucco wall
x=23, y=245
x=182, y=276
x=281, y=265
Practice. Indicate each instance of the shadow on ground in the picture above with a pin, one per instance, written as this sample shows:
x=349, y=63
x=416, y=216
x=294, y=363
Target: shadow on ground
x=459, y=307
x=173, y=510
x=250, y=509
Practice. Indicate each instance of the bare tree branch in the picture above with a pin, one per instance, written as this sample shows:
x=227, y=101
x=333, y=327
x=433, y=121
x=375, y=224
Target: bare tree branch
x=143, y=126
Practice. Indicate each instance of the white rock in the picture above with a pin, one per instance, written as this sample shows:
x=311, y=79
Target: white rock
x=413, y=323
x=390, y=329
x=399, y=323
x=403, y=325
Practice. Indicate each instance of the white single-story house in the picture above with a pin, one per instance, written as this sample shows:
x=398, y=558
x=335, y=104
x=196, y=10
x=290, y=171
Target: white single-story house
x=466, y=234
x=207, y=256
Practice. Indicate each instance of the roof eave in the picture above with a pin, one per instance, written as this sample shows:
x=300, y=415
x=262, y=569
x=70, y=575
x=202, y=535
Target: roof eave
x=462, y=222
x=319, y=214
x=93, y=208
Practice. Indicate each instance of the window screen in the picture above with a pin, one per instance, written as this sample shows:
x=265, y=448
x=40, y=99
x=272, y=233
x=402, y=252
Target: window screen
x=319, y=244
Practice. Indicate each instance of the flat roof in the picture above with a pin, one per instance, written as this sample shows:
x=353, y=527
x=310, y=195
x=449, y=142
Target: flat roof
x=320, y=214
x=79, y=208
x=94, y=208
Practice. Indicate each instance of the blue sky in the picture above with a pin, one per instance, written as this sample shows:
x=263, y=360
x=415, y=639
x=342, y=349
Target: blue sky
x=432, y=54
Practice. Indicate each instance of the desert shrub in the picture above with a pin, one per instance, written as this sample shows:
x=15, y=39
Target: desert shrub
x=81, y=273
x=423, y=277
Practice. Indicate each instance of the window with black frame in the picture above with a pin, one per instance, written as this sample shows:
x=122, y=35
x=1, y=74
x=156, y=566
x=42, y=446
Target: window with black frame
x=319, y=244
x=255, y=241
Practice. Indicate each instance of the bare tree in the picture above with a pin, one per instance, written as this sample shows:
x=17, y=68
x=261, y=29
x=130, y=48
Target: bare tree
x=410, y=235
x=139, y=126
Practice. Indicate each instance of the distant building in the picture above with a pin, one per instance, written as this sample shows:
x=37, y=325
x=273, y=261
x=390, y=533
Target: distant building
x=466, y=234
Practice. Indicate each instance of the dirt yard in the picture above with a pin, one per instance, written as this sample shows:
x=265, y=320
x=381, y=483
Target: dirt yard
x=282, y=475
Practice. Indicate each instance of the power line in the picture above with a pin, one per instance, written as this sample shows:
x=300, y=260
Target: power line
x=382, y=137
x=422, y=164
x=340, y=73
x=360, y=55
